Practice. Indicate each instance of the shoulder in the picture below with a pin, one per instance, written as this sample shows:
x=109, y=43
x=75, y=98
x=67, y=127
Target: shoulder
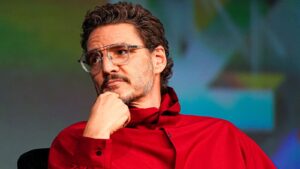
x=203, y=121
x=205, y=124
x=209, y=127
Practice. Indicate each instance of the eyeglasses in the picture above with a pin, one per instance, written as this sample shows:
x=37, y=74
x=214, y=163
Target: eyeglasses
x=118, y=54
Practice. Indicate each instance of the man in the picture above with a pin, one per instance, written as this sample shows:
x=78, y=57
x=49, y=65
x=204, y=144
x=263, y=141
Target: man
x=135, y=121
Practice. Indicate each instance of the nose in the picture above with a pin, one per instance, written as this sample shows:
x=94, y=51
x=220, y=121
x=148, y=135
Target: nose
x=108, y=66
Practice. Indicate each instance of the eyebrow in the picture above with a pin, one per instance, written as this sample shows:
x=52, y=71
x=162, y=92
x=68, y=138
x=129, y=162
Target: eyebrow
x=103, y=47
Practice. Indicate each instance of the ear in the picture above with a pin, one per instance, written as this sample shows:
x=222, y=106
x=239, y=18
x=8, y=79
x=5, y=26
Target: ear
x=159, y=59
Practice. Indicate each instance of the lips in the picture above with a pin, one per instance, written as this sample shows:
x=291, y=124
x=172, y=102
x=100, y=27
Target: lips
x=113, y=82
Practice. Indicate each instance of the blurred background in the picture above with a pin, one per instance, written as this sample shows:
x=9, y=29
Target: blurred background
x=234, y=59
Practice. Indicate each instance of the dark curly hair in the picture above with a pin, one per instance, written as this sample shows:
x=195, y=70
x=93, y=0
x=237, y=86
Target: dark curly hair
x=149, y=27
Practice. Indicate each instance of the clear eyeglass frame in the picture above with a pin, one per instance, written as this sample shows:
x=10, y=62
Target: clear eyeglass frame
x=117, y=54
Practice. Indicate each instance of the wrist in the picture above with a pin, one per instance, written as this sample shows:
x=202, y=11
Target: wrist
x=98, y=134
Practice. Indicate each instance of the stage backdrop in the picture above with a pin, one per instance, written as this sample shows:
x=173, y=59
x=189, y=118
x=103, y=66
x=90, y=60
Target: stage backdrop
x=237, y=60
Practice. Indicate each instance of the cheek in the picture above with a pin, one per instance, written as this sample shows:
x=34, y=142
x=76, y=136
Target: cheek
x=98, y=79
x=144, y=74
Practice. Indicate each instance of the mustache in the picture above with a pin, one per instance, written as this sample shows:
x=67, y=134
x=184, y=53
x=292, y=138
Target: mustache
x=107, y=78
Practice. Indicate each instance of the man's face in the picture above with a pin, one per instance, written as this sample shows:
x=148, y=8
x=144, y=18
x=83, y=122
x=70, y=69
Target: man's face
x=133, y=80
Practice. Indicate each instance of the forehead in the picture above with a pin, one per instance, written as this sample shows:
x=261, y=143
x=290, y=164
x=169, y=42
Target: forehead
x=113, y=34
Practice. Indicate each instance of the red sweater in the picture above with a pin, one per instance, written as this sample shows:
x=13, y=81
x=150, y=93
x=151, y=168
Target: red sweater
x=160, y=139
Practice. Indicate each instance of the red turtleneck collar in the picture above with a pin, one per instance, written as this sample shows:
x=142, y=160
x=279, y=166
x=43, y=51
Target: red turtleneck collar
x=150, y=116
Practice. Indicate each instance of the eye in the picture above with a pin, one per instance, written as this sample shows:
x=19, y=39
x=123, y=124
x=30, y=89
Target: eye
x=122, y=52
x=93, y=58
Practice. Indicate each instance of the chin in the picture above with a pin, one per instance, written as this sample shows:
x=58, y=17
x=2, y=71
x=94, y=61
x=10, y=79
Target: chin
x=115, y=89
x=126, y=94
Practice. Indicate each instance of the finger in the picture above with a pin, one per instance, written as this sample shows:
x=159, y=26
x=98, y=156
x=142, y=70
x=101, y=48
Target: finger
x=127, y=121
x=107, y=96
x=110, y=93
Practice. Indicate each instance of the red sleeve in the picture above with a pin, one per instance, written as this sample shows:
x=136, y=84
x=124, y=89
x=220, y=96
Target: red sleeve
x=94, y=153
x=253, y=155
x=70, y=150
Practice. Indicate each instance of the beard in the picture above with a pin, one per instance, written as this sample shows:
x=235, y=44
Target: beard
x=130, y=95
x=104, y=86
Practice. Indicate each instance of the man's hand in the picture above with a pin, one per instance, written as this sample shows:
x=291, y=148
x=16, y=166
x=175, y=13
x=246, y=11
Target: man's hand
x=108, y=114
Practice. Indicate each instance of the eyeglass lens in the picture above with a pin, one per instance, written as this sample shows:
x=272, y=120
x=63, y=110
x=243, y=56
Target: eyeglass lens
x=117, y=54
